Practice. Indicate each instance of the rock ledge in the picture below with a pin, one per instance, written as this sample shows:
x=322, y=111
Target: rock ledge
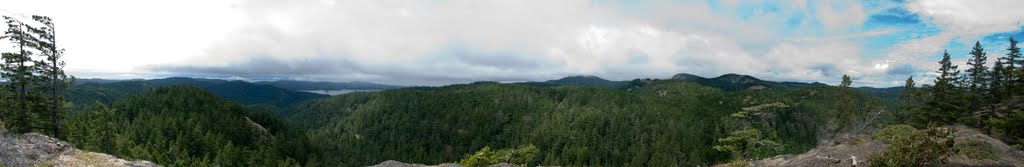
x=34, y=149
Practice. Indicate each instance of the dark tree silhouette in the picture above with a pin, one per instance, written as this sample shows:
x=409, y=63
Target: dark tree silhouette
x=977, y=77
x=51, y=68
x=945, y=106
x=1014, y=69
x=18, y=70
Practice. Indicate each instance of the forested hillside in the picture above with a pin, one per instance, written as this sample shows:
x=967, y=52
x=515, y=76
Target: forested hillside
x=654, y=123
x=588, y=81
x=183, y=126
x=664, y=123
x=238, y=91
x=306, y=85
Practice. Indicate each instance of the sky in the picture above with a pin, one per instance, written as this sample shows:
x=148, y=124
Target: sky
x=436, y=42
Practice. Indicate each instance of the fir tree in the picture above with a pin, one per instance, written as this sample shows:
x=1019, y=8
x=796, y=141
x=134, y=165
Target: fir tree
x=909, y=84
x=909, y=92
x=945, y=106
x=1014, y=70
x=999, y=85
x=910, y=97
x=977, y=77
x=948, y=74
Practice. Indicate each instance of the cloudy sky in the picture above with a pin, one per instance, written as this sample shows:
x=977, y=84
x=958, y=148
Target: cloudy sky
x=435, y=42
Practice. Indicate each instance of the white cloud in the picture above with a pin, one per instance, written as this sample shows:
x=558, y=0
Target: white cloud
x=961, y=20
x=438, y=42
x=115, y=36
x=971, y=18
x=841, y=17
x=817, y=61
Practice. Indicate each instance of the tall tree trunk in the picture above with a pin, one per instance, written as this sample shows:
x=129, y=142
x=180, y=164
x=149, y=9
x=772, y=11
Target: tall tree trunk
x=56, y=84
x=22, y=81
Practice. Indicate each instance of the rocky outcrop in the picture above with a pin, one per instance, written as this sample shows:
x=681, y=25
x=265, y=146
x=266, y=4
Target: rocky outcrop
x=839, y=153
x=845, y=151
x=393, y=163
x=35, y=149
x=1005, y=155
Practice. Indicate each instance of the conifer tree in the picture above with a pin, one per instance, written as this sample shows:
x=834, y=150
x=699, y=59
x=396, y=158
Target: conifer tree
x=948, y=77
x=977, y=77
x=845, y=105
x=910, y=97
x=1014, y=69
x=998, y=88
x=909, y=84
x=54, y=81
x=739, y=142
x=18, y=71
x=909, y=90
x=945, y=106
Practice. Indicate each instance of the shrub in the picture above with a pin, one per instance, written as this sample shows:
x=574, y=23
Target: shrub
x=892, y=132
x=487, y=156
x=975, y=149
x=912, y=148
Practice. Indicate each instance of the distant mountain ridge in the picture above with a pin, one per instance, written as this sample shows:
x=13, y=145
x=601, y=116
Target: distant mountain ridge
x=588, y=80
x=286, y=84
x=239, y=91
x=737, y=82
x=310, y=85
x=726, y=82
x=79, y=81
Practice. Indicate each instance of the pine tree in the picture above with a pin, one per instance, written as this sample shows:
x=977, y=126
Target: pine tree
x=909, y=88
x=948, y=74
x=909, y=84
x=977, y=77
x=741, y=141
x=844, y=107
x=910, y=98
x=1014, y=69
x=53, y=78
x=846, y=82
x=18, y=71
x=999, y=85
x=945, y=106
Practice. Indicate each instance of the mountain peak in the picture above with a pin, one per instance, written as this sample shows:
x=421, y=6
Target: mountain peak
x=737, y=78
x=580, y=78
x=583, y=76
x=687, y=77
x=587, y=80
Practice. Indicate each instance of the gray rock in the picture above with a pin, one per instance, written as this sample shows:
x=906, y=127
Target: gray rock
x=393, y=163
x=34, y=149
x=504, y=165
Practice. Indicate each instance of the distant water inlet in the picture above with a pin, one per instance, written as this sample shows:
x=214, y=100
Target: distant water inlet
x=337, y=92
